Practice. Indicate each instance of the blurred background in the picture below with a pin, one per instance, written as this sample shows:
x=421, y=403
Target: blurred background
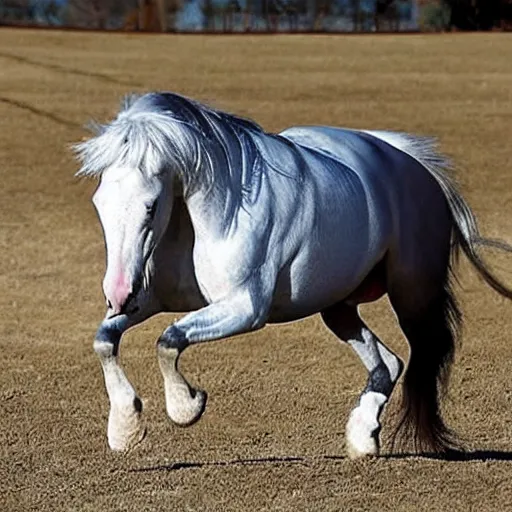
x=260, y=15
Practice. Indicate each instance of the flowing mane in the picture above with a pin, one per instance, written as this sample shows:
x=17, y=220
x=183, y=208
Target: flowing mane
x=157, y=131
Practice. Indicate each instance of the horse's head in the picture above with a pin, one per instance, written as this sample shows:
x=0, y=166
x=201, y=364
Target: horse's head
x=134, y=209
x=158, y=142
x=137, y=164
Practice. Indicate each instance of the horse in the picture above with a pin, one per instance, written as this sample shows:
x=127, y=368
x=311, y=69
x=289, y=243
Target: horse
x=205, y=213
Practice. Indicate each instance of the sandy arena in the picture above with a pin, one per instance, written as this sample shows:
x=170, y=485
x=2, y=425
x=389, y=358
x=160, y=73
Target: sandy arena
x=272, y=437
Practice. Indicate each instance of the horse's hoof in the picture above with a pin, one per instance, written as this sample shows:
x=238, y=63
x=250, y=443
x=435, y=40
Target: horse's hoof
x=125, y=431
x=359, y=451
x=362, y=440
x=126, y=443
x=187, y=413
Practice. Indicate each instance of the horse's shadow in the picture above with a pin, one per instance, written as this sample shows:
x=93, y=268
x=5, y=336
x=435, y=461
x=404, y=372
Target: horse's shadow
x=457, y=456
x=452, y=456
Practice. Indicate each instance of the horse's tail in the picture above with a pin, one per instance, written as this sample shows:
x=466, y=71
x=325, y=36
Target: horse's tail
x=432, y=333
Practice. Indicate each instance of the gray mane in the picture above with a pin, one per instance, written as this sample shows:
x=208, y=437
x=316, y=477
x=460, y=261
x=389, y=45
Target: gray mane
x=156, y=131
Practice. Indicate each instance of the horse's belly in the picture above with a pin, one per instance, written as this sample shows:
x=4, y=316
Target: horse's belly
x=309, y=286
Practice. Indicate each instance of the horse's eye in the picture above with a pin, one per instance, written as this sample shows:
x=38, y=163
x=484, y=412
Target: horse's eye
x=151, y=209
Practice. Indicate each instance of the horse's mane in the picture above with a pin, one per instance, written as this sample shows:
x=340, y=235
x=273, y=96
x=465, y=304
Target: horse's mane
x=157, y=130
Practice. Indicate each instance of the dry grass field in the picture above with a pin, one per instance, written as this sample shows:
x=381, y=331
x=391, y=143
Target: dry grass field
x=272, y=437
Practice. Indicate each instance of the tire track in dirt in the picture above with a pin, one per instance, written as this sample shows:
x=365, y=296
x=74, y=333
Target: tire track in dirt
x=41, y=113
x=178, y=465
x=68, y=70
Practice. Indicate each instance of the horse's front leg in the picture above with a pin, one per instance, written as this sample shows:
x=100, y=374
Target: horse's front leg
x=125, y=428
x=241, y=313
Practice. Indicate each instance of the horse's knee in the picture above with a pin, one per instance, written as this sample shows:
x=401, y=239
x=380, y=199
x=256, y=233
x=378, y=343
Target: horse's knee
x=104, y=349
x=172, y=338
x=380, y=380
x=106, y=341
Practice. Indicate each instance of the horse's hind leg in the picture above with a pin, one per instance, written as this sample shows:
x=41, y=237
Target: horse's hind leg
x=384, y=369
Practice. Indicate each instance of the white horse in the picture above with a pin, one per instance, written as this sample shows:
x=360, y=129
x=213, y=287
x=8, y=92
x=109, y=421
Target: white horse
x=203, y=211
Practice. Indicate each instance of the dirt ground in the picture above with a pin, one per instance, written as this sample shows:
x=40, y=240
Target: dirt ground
x=272, y=437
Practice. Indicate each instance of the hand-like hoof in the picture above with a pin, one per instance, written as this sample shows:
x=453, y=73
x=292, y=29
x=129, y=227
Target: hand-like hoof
x=187, y=411
x=125, y=430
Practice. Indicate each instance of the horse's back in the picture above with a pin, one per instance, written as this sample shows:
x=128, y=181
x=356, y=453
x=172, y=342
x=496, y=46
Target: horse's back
x=381, y=202
x=359, y=151
x=349, y=221
x=380, y=160
x=387, y=163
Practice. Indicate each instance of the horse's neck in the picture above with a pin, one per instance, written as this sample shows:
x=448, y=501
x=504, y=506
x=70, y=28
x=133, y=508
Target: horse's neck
x=209, y=209
x=236, y=172
x=265, y=162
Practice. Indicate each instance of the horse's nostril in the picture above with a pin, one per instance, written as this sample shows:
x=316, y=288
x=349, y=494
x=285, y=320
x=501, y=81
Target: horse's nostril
x=109, y=304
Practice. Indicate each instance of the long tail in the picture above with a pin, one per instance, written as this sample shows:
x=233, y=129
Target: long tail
x=433, y=336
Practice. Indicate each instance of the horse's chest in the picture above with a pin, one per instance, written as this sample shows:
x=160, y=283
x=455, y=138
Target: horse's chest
x=218, y=269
